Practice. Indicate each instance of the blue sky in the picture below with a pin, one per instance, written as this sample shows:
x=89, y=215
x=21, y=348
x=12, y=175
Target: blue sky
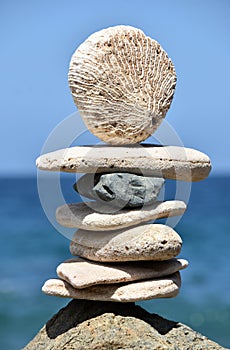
x=37, y=41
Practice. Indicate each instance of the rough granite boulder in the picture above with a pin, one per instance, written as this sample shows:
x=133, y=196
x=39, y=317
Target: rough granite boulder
x=96, y=325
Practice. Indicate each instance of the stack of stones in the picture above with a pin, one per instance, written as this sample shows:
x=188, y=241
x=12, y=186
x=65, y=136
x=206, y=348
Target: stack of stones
x=122, y=83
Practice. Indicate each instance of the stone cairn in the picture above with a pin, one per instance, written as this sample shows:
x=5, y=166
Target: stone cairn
x=122, y=83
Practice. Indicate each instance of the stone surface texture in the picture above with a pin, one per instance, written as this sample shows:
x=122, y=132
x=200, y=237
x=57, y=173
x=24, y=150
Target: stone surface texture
x=145, y=242
x=162, y=287
x=122, y=83
x=81, y=273
x=90, y=216
x=93, y=325
x=120, y=189
x=171, y=162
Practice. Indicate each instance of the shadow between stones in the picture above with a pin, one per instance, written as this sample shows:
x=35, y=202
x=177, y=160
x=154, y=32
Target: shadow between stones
x=78, y=311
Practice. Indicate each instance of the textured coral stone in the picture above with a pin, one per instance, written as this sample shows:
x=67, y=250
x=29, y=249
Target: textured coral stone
x=122, y=83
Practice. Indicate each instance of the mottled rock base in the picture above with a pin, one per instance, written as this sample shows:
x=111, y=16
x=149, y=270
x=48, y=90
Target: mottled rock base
x=91, y=325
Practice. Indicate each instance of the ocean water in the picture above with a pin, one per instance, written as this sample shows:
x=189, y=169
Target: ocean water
x=31, y=248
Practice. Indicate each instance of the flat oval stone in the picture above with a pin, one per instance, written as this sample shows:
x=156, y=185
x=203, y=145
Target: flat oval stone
x=164, y=287
x=82, y=273
x=123, y=190
x=84, y=216
x=171, y=162
x=146, y=242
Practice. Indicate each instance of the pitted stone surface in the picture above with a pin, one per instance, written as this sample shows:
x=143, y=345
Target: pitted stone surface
x=145, y=242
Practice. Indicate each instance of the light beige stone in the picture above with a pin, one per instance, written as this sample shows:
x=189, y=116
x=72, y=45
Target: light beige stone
x=171, y=162
x=165, y=287
x=81, y=273
x=80, y=215
x=146, y=242
x=122, y=83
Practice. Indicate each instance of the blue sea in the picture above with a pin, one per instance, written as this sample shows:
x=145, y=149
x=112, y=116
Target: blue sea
x=31, y=248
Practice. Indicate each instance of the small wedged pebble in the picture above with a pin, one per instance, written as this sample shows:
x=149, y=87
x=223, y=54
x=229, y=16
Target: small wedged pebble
x=123, y=190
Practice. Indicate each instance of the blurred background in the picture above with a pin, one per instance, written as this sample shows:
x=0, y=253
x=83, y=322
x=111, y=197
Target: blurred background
x=37, y=41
